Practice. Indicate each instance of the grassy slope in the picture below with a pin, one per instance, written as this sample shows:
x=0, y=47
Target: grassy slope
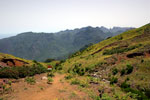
x=86, y=58
x=30, y=62
x=93, y=57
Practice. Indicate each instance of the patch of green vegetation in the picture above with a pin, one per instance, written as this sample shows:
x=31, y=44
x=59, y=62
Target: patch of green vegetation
x=120, y=50
x=30, y=80
x=69, y=76
x=120, y=97
x=92, y=94
x=129, y=69
x=6, y=88
x=81, y=83
x=113, y=80
x=50, y=74
x=94, y=97
x=21, y=72
x=94, y=79
x=84, y=84
x=123, y=71
x=114, y=71
x=58, y=66
x=105, y=96
x=136, y=94
x=77, y=69
x=75, y=82
x=49, y=80
x=25, y=88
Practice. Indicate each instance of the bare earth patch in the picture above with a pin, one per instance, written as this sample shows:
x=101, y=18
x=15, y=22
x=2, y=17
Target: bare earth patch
x=58, y=90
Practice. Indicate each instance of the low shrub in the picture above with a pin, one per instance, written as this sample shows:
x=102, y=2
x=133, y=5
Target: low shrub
x=129, y=69
x=21, y=72
x=84, y=83
x=75, y=82
x=125, y=85
x=147, y=92
x=30, y=80
x=113, y=80
x=114, y=71
x=68, y=77
x=123, y=71
x=127, y=79
x=139, y=94
x=49, y=80
x=78, y=70
x=50, y=74
x=58, y=66
x=105, y=96
x=8, y=72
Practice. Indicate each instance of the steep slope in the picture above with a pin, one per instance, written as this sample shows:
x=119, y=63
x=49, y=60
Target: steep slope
x=14, y=67
x=40, y=46
x=121, y=63
x=7, y=60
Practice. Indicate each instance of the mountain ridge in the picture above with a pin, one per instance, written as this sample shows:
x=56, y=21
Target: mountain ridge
x=40, y=46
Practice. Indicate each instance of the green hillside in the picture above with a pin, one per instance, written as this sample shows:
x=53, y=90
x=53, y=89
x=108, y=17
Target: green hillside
x=120, y=65
x=41, y=46
x=14, y=67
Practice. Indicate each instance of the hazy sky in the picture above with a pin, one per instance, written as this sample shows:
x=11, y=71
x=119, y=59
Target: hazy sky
x=18, y=16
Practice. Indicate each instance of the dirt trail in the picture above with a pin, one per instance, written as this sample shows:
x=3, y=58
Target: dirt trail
x=58, y=90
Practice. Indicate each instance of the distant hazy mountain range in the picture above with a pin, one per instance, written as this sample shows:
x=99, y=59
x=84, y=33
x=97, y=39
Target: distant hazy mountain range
x=40, y=46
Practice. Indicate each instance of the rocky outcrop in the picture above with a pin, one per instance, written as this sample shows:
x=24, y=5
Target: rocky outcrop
x=12, y=62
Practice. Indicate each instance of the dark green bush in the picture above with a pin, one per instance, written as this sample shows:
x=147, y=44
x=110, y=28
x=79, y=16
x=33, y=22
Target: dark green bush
x=35, y=61
x=147, y=92
x=49, y=60
x=68, y=77
x=127, y=79
x=113, y=80
x=78, y=70
x=21, y=72
x=123, y=71
x=114, y=71
x=58, y=66
x=140, y=95
x=9, y=72
x=125, y=85
x=129, y=69
x=62, y=61
x=142, y=61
